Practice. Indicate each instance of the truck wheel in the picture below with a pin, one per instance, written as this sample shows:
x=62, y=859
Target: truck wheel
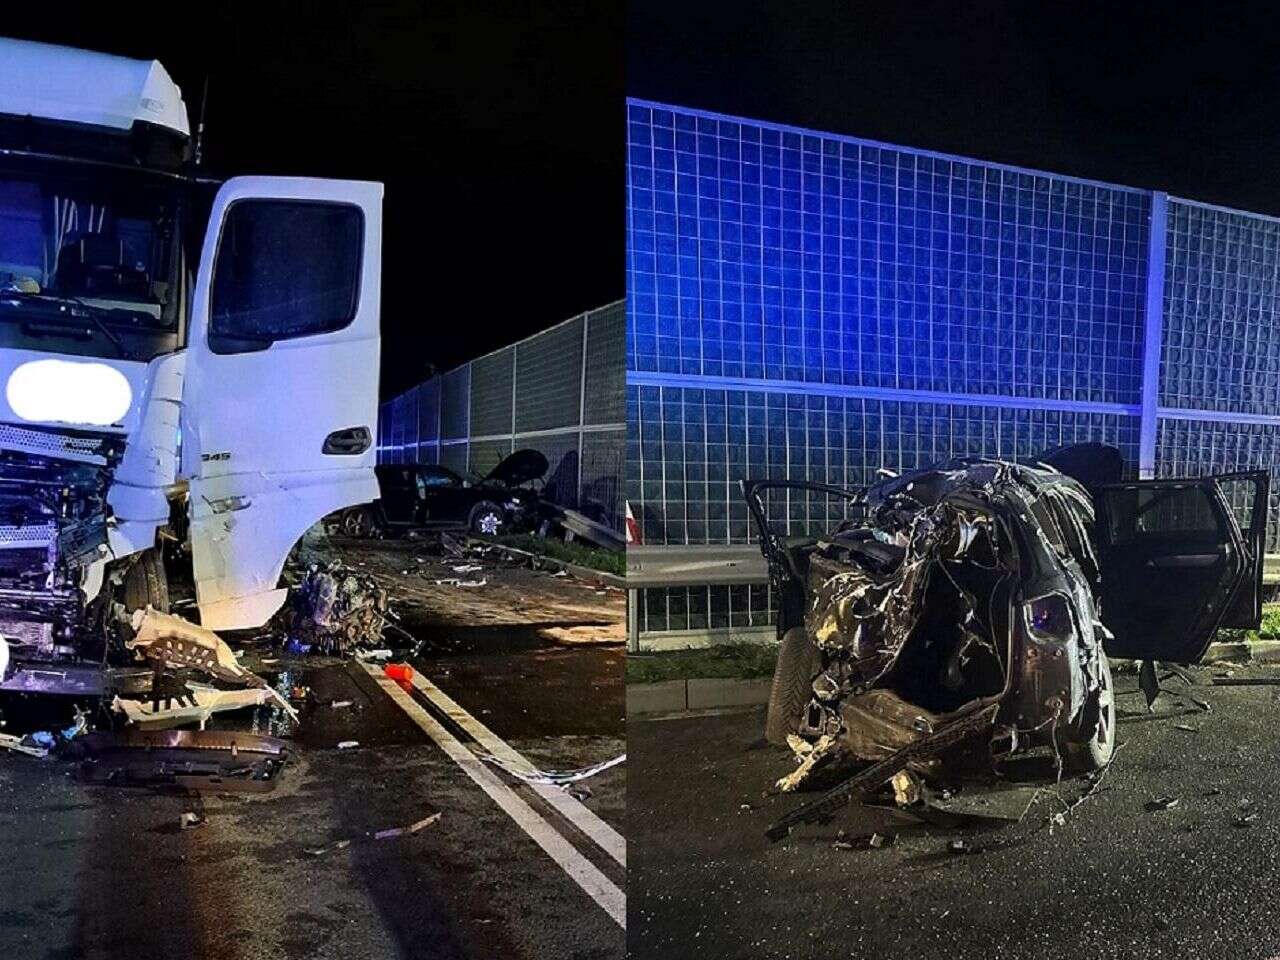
x=358, y=523
x=799, y=661
x=486, y=519
x=145, y=583
x=1085, y=756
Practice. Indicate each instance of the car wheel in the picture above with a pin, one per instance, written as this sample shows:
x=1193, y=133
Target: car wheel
x=1085, y=756
x=799, y=661
x=486, y=519
x=145, y=583
x=358, y=523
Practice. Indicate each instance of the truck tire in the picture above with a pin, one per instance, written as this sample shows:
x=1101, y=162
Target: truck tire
x=486, y=519
x=359, y=523
x=1080, y=756
x=145, y=583
x=799, y=661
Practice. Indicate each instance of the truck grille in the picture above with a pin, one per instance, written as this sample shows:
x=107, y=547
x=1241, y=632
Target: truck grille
x=35, y=535
x=60, y=445
x=22, y=561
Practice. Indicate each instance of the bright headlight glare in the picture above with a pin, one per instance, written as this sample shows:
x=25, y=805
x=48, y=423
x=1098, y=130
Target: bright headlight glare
x=62, y=391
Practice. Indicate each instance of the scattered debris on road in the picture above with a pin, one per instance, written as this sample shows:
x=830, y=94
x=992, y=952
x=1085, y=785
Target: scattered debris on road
x=559, y=778
x=194, y=760
x=388, y=834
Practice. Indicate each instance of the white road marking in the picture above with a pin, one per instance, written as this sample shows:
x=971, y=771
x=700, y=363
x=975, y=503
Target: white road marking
x=581, y=870
x=603, y=835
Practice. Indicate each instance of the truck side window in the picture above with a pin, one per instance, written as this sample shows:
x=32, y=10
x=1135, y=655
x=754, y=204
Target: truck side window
x=285, y=269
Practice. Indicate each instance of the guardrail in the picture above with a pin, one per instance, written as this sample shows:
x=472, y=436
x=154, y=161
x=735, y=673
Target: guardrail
x=688, y=565
x=732, y=564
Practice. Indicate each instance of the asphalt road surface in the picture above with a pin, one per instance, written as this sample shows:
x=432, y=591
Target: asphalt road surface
x=106, y=872
x=1115, y=879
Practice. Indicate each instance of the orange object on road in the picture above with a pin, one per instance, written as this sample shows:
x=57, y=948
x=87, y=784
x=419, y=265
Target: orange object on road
x=400, y=672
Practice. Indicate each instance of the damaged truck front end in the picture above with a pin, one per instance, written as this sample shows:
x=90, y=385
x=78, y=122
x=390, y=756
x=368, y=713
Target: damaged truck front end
x=188, y=369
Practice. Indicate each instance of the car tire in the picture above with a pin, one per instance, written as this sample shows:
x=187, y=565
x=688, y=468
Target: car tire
x=486, y=519
x=799, y=661
x=1087, y=755
x=358, y=523
x=145, y=583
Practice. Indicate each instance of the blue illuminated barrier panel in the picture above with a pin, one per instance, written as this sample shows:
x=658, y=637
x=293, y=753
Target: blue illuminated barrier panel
x=560, y=391
x=818, y=307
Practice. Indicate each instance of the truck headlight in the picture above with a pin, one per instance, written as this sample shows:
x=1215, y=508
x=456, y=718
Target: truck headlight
x=63, y=391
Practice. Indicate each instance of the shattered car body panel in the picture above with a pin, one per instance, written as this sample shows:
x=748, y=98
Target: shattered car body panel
x=973, y=582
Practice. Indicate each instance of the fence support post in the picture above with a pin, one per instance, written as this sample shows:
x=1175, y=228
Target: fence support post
x=582, y=401
x=1153, y=335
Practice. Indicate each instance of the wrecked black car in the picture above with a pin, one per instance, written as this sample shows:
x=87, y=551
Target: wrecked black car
x=430, y=496
x=978, y=600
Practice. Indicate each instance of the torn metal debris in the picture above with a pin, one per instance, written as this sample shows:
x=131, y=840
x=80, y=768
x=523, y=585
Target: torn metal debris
x=195, y=760
x=559, y=778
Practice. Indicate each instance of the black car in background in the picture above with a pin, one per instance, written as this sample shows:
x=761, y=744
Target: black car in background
x=433, y=497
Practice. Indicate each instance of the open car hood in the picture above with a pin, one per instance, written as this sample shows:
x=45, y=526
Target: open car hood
x=520, y=467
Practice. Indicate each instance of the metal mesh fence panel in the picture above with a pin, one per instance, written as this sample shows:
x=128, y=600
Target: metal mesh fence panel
x=602, y=475
x=549, y=378
x=487, y=454
x=429, y=411
x=561, y=451
x=491, y=390
x=455, y=399
x=766, y=253
x=1221, y=344
x=456, y=457
x=1190, y=448
x=605, y=366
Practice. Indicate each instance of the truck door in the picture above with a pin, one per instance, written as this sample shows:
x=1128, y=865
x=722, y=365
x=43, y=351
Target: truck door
x=280, y=403
x=1176, y=566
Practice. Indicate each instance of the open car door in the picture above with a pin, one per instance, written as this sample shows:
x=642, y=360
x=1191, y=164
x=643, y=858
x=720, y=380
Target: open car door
x=280, y=405
x=1177, y=563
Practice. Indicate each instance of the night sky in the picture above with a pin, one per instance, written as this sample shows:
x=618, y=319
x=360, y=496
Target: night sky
x=496, y=127
x=1161, y=96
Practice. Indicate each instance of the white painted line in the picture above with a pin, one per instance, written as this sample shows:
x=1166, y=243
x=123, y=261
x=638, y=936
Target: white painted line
x=603, y=835
x=581, y=870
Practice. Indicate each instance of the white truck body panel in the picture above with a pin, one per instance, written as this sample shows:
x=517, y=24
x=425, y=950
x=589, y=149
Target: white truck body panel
x=255, y=423
x=82, y=86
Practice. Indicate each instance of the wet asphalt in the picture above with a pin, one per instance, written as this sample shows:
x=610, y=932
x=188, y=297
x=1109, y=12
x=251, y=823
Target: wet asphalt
x=106, y=872
x=1115, y=879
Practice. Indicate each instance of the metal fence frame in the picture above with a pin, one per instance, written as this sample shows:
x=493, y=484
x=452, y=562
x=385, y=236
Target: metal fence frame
x=1154, y=416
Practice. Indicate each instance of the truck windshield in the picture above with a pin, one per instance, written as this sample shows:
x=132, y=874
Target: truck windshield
x=89, y=256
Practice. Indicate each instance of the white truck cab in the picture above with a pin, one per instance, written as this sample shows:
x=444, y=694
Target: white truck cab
x=177, y=363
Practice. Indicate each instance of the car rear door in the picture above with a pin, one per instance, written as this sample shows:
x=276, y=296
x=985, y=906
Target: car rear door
x=281, y=399
x=1247, y=495
x=1175, y=566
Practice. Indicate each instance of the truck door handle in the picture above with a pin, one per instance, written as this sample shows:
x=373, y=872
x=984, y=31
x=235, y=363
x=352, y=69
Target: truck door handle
x=349, y=442
x=1185, y=560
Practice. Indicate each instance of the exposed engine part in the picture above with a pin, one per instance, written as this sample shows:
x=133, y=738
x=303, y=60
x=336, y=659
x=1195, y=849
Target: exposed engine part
x=336, y=610
x=53, y=525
